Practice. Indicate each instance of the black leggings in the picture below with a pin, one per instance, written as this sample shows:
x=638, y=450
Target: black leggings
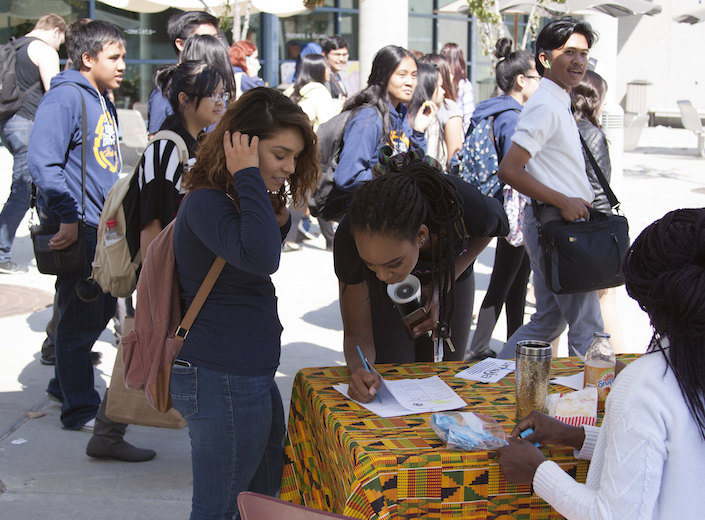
x=510, y=276
x=393, y=344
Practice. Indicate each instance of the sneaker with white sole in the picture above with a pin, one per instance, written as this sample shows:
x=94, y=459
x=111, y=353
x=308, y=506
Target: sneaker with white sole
x=88, y=427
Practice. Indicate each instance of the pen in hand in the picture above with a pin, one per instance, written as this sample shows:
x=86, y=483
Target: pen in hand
x=364, y=364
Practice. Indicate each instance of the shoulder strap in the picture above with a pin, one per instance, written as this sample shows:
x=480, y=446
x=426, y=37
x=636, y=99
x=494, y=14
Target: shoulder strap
x=200, y=298
x=84, y=149
x=600, y=176
x=170, y=135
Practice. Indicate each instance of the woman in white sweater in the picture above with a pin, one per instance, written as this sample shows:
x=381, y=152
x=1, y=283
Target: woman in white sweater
x=647, y=458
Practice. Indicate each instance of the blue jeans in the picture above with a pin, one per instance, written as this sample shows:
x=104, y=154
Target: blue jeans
x=580, y=311
x=236, y=426
x=79, y=326
x=15, y=134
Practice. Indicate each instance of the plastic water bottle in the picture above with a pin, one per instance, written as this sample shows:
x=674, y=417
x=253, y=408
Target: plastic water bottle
x=112, y=235
x=600, y=362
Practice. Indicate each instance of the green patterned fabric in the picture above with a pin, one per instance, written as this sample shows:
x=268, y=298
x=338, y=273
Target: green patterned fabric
x=342, y=458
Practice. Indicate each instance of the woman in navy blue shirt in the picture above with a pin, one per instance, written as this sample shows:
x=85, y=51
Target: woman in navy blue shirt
x=262, y=150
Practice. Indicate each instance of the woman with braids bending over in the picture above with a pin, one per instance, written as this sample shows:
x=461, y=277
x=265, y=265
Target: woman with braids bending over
x=647, y=458
x=411, y=220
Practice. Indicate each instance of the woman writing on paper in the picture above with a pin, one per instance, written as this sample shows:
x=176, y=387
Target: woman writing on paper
x=413, y=219
x=646, y=458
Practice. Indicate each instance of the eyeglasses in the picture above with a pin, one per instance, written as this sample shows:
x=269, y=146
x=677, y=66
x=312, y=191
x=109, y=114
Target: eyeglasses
x=538, y=78
x=220, y=96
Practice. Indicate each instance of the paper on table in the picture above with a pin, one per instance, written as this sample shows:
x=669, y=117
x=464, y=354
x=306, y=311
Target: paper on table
x=489, y=370
x=576, y=381
x=409, y=396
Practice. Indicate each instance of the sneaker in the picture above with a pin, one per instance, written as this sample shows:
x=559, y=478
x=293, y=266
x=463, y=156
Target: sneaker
x=53, y=398
x=49, y=358
x=304, y=229
x=88, y=427
x=290, y=246
x=10, y=268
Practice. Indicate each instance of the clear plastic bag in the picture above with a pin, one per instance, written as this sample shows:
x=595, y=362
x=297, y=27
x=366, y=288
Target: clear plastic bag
x=468, y=431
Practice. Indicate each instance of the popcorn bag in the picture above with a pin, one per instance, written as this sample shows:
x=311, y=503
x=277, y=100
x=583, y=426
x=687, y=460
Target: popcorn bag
x=574, y=408
x=468, y=431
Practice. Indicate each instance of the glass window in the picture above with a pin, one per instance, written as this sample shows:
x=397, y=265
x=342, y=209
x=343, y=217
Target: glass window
x=420, y=7
x=421, y=34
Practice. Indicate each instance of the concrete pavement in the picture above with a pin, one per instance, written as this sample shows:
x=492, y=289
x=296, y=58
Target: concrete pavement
x=44, y=472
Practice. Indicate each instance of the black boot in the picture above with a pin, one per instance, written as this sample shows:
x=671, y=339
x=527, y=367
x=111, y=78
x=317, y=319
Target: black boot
x=107, y=440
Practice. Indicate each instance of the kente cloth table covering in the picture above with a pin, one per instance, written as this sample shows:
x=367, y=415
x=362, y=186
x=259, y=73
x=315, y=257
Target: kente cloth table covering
x=342, y=458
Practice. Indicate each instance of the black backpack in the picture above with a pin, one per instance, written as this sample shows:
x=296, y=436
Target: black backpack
x=11, y=96
x=329, y=202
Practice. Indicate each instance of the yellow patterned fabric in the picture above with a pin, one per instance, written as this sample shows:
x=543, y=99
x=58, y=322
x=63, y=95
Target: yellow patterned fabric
x=342, y=458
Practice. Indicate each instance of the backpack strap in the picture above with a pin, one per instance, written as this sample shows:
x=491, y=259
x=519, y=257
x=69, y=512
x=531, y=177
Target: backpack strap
x=170, y=135
x=200, y=298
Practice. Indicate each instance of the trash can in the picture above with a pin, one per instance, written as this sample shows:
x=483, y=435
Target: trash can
x=638, y=96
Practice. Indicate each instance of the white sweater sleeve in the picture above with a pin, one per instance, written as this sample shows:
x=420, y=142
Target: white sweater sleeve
x=625, y=476
x=626, y=488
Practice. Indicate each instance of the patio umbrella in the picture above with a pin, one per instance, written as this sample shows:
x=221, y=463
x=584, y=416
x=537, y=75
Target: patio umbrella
x=691, y=17
x=139, y=6
x=610, y=7
x=281, y=8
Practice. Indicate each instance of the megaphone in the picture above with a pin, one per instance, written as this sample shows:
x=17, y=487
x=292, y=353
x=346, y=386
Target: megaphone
x=406, y=296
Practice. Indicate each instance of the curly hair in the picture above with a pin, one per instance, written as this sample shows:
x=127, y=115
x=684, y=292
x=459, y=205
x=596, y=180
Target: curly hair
x=261, y=112
x=412, y=193
x=665, y=273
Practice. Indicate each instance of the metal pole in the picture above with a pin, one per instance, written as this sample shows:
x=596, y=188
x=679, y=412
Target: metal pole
x=270, y=51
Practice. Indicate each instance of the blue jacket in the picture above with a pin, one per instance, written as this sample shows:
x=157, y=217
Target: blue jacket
x=54, y=153
x=363, y=139
x=506, y=111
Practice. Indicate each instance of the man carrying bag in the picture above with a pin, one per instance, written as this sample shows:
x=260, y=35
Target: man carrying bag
x=547, y=143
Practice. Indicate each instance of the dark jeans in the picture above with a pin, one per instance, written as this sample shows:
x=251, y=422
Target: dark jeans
x=507, y=286
x=14, y=133
x=236, y=426
x=393, y=344
x=79, y=326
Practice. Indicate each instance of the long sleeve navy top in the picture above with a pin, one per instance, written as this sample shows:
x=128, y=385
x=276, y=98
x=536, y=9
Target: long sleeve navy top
x=238, y=329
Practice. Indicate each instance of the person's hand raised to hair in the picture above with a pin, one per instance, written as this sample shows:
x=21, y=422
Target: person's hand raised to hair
x=519, y=461
x=548, y=430
x=241, y=151
x=424, y=117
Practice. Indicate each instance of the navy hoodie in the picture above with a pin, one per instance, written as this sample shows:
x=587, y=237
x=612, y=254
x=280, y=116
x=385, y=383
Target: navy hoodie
x=54, y=153
x=363, y=139
x=506, y=111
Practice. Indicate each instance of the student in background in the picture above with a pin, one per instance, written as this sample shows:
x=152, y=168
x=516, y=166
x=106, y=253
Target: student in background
x=449, y=114
x=55, y=163
x=37, y=61
x=197, y=95
x=379, y=117
x=310, y=91
x=336, y=51
x=179, y=28
x=517, y=79
x=588, y=99
x=244, y=59
x=461, y=84
x=311, y=94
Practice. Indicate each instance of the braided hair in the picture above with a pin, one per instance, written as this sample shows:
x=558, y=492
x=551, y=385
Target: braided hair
x=665, y=273
x=411, y=193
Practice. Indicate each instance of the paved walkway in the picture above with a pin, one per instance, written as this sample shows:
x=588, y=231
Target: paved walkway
x=44, y=472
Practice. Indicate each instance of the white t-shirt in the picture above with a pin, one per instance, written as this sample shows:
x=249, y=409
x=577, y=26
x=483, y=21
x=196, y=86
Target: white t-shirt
x=547, y=130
